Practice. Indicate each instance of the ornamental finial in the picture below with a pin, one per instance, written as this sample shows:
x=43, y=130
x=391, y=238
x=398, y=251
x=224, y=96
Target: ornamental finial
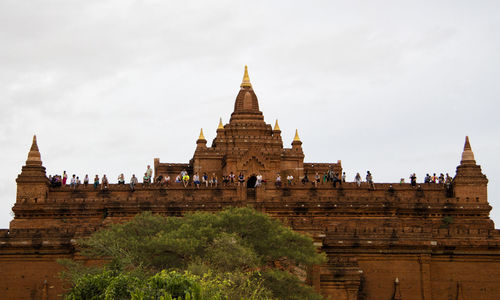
x=246, y=79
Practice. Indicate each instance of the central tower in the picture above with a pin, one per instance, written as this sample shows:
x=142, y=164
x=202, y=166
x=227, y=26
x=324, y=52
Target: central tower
x=247, y=144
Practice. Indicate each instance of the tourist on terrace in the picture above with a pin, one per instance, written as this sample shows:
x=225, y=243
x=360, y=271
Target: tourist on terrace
x=278, y=181
x=241, y=179
x=149, y=172
x=185, y=179
x=104, y=184
x=231, y=177
x=72, y=183
x=357, y=179
x=213, y=180
x=196, y=180
x=159, y=180
x=56, y=181
x=86, y=180
x=165, y=180
x=413, y=180
x=133, y=182
x=434, y=178
x=96, y=181
x=441, y=178
x=225, y=180
x=305, y=179
x=121, y=179
x=336, y=180
x=178, y=179
x=316, y=179
x=448, y=179
x=145, y=180
x=64, y=178
x=343, y=177
x=369, y=179
x=289, y=179
x=204, y=179
x=448, y=185
x=78, y=182
x=325, y=178
x=427, y=178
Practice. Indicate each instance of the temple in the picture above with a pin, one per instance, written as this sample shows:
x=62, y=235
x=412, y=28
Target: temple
x=390, y=241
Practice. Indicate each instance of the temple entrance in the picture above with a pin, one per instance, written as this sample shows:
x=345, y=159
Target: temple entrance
x=251, y=181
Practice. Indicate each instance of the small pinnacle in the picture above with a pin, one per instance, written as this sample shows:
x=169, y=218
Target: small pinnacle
x=202, y=137
x=220, y=124
x=467, y=154
x=34, y=157
x=296, y=138
x=34, y=145
x=467, y=144
x=276, y=126
x=246, y=79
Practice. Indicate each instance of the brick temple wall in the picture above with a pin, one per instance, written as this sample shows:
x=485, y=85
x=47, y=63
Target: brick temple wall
x=429, y=241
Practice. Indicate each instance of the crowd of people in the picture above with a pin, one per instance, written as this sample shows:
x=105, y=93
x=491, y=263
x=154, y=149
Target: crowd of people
x=204, y=180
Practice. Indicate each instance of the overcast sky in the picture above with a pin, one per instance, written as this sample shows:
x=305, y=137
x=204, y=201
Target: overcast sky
x=388, y=86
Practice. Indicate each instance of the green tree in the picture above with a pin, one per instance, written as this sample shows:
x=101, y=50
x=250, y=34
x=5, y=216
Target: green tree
x=251, y=253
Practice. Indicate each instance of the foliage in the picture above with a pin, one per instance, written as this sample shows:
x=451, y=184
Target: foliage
x=233, y=252
x=163, y=285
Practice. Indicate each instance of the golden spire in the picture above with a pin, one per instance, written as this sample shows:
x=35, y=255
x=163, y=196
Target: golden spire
x=246, y=79
x=220, y=124
x=276, y=126
x=296, y=138
x=202, y=137
x=34, y=157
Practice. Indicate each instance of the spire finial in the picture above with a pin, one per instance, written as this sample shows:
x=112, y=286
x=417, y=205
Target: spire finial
x=276, y=126
x=467, y=143
x=220, y=124
x=202, y=137
x=34, y=157
x=296, y=138
x=467, y=154
x=246, y=79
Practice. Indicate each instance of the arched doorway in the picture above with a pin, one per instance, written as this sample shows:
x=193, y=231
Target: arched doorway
x=251, y=181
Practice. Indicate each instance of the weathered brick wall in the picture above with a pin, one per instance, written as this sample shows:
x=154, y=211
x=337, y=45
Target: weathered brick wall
x=370, y=236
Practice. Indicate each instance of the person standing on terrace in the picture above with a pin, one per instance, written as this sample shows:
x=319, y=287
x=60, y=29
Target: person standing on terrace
x=105, y=182
x=133, y=182
x=413, y=180
x=357, y=179
x=64, y=178
x=149, y=173
x=96, y=181
x=369, y=179
x=86, y=180
x=73, y=182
